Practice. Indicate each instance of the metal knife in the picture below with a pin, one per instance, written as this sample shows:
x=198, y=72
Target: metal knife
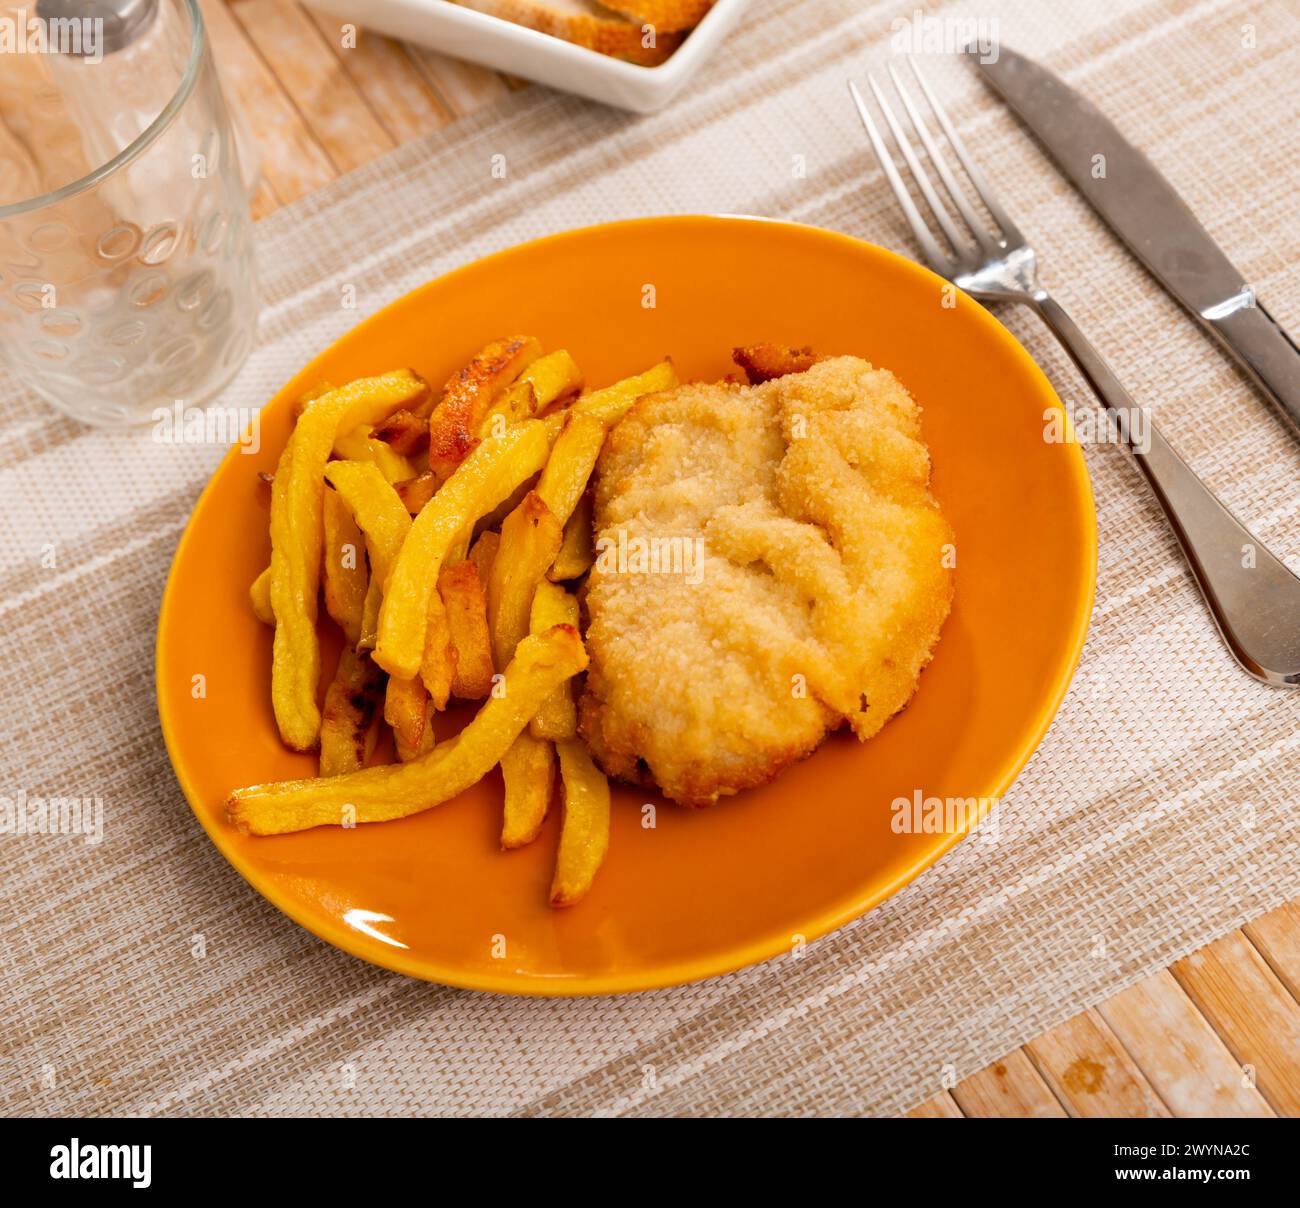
x=1143, y=209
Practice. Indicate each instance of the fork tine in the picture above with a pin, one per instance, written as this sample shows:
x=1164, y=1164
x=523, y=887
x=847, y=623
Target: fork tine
x=960, y=243
x=973, y=220
x=937, y=258
x=1008, y=229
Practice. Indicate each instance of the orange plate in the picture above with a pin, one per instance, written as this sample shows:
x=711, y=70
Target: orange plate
x=703, y=892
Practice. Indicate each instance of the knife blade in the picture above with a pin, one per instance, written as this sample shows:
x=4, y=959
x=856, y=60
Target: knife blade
x=1149, y=216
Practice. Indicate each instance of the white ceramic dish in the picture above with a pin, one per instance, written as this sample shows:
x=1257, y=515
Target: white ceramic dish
x=466, y=34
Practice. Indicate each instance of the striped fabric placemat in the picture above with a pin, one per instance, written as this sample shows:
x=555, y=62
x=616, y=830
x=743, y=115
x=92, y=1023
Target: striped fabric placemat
x=141, y=975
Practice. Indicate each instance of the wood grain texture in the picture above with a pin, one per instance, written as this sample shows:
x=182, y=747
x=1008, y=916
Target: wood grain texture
x=1091, y=1073
x=1276, y=937
x=293, y=162
x=462, y=87
x=941, y=1107
x=1179, y=1053
x=1009, y=1087
x=382, y=71
x=314, y=79
x=1249, y=1007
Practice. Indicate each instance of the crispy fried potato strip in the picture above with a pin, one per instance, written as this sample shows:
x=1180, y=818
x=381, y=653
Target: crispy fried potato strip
x=297, y=501
x=466, y=607
x=530, y=539
x=613, y=402
x=489, y=475
x=483, y=553
x=399, y=790
x=578, y=549
x=572, y=460
x=408, y=710
x=259, y=596
x=416, y=492
x=584, y=833
x=528, y=770
x=552, y=377
x=350, y=722
x=403, y=432
x=558, y=717
x=359, y=445
x=346, y=578
x=468, y=395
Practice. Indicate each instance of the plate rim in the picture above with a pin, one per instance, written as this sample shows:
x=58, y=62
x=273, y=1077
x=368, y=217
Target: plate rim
x=757, y=951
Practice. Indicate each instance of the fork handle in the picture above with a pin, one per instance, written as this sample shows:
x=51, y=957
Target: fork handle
x=1253, y=597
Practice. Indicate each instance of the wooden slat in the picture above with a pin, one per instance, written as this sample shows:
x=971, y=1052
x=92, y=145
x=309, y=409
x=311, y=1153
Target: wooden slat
x=327, y=100
x=1011, y=1087
x=462, y=86
x=293, y=163
x=1090, y=1072
x=383, y=73
x=941, y=1107
x=1252, y=1011
x=1178, y=1052
x=1276, y=937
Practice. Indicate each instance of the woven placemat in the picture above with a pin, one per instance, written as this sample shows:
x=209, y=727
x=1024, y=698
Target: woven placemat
x=141, y=975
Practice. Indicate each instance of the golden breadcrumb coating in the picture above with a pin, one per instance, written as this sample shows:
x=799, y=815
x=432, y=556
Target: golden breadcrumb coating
x=820, y=590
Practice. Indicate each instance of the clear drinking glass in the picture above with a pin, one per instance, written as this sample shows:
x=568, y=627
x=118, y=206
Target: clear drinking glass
x=126, y=255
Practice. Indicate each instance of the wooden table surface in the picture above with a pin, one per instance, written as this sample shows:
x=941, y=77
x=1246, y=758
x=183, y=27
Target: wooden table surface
x=1217, y=1034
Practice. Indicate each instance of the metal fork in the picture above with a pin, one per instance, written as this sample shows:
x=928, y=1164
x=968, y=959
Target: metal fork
x=1253, y=597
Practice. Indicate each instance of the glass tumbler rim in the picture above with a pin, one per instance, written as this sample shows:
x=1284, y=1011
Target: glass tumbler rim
x=198, y=42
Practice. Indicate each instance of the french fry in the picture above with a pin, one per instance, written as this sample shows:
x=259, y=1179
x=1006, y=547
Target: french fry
x=407, y=709
x=557, y=718
x=763, y=362
x=259, y=596
x=468, y=395
x=530, y=539
x=548, y=378
x=359, y=445
x=584, y=832
x=466, y=608
x=403, y=432
x=297, y=501
x=495, y=468
x=611, y=403
x=483, y=551
x=346, y=577
x=577, y=550
x=416, y=492
x=438, y=662
x=528, y=770
x=383, y=520
x=568, y=469
x=399, y=790
x=350, y=721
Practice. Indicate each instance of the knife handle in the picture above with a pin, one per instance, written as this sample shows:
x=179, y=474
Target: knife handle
x=1253, y=597
x=1266, y=352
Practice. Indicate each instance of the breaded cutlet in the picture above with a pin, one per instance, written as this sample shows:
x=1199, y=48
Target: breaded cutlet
x=818, y=595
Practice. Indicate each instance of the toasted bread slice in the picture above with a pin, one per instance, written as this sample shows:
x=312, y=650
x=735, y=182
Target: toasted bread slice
x=585, y=23
x=667, y=16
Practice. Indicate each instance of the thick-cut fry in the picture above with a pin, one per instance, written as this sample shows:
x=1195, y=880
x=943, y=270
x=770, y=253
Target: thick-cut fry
x=350, y=721
x=346, y=577
x=438, y=662
x=359, y=445
x=578, y=549
x=416, y=492
x=468, y=395
x=466, y=607
x=613, y=402
x=407, y=710
x=584, y=833
x=486, y=477
x=385, y=522
x=558, y=716
x=259, y=595
x=572, y=460
x=398, y=790
x=483, y=551
x=403, y=432
x=297, y=496
x=528, y=770
x=530, y=539
x=548, y=378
